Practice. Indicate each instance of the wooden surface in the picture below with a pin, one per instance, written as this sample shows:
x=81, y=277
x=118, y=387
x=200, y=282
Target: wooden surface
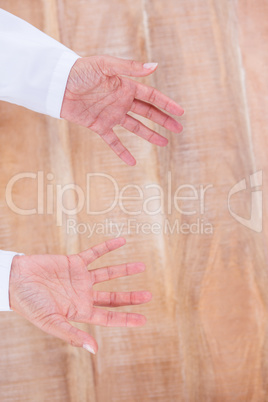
x=206, y=338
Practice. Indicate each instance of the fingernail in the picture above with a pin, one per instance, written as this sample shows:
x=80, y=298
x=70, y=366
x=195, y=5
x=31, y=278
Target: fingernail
x=89, y=348
x=150, y=66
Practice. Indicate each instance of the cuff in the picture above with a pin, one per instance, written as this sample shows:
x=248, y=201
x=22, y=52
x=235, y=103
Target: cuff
x=58, y=83
x=6, y=258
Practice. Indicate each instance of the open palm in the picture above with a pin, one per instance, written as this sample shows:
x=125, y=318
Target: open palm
x=50, y=290
x=98, y=97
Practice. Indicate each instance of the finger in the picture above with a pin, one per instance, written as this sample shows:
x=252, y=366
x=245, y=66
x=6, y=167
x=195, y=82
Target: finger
x=119, y=149
x=116, y=299
x=90, y=255
x=142, y=131
x=151, y=112
x=116, y=319
x=59, y=326
x=116, y=271
x=152, y=95
x=114, y=65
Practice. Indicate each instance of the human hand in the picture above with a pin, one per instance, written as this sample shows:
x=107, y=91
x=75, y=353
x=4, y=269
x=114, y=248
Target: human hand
x=49, y=290
x=99, y=98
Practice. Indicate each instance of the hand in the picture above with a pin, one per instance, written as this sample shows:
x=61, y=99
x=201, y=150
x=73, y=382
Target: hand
x=49, y=290
x=99, y=98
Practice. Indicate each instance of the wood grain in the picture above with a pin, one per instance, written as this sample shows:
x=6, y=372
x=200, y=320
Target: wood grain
x=206, y=335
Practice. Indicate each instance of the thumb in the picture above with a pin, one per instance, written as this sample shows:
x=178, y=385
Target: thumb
x=62, y=329
x=132, y=68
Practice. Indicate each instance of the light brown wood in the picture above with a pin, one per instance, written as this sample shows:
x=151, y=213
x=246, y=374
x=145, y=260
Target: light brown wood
x=206, y=335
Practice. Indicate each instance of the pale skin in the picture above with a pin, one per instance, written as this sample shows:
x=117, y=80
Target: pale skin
x=98, y=97
x=51, y=290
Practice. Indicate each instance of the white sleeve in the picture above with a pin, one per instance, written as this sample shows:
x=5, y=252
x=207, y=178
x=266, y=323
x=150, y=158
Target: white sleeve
x=34, y=68
x=6, y=258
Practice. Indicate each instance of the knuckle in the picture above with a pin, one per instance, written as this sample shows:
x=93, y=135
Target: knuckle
x=133, y=64
x=127, y=270
x=136, y=127
x=152, y=96
x=72, y=335
x=149, y=112
x=167, y=104
x=93, y=276
x=109, y=273
x=72, y=342
x=110, y=317
x=95, y=252
x=114, y=143
x=166, y=119
x=123, y=120
x=127, y=316
x=150, y=137
x=113, y=299
x=132, y=298
x=71, y=312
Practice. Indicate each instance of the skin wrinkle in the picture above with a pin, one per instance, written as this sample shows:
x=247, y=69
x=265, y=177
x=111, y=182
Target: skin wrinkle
x=109, y=273
x=108, y=134
x=83, y=80
x=112, y=299
x=127, y=269
x=115, y=142
x=70, y=277
x=83, y=261
x=131, y=298
x=115, y=299
x=96, y=254
x=149, y=112
x=92, y=273
x=62, y=282
x=68, y=313
x=152, y=96
x=136, y=127
x=150, y=137
x=110, y=317
x=34, y=282
x=48, y=320
x=107, y=246
x=121, y=153
x=66, y=295
x=90, y=126
x=166, y=119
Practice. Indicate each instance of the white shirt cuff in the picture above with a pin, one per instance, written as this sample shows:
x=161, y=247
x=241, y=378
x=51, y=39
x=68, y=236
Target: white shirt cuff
x=34, y=67
x=58, y=83
x=6, y=258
